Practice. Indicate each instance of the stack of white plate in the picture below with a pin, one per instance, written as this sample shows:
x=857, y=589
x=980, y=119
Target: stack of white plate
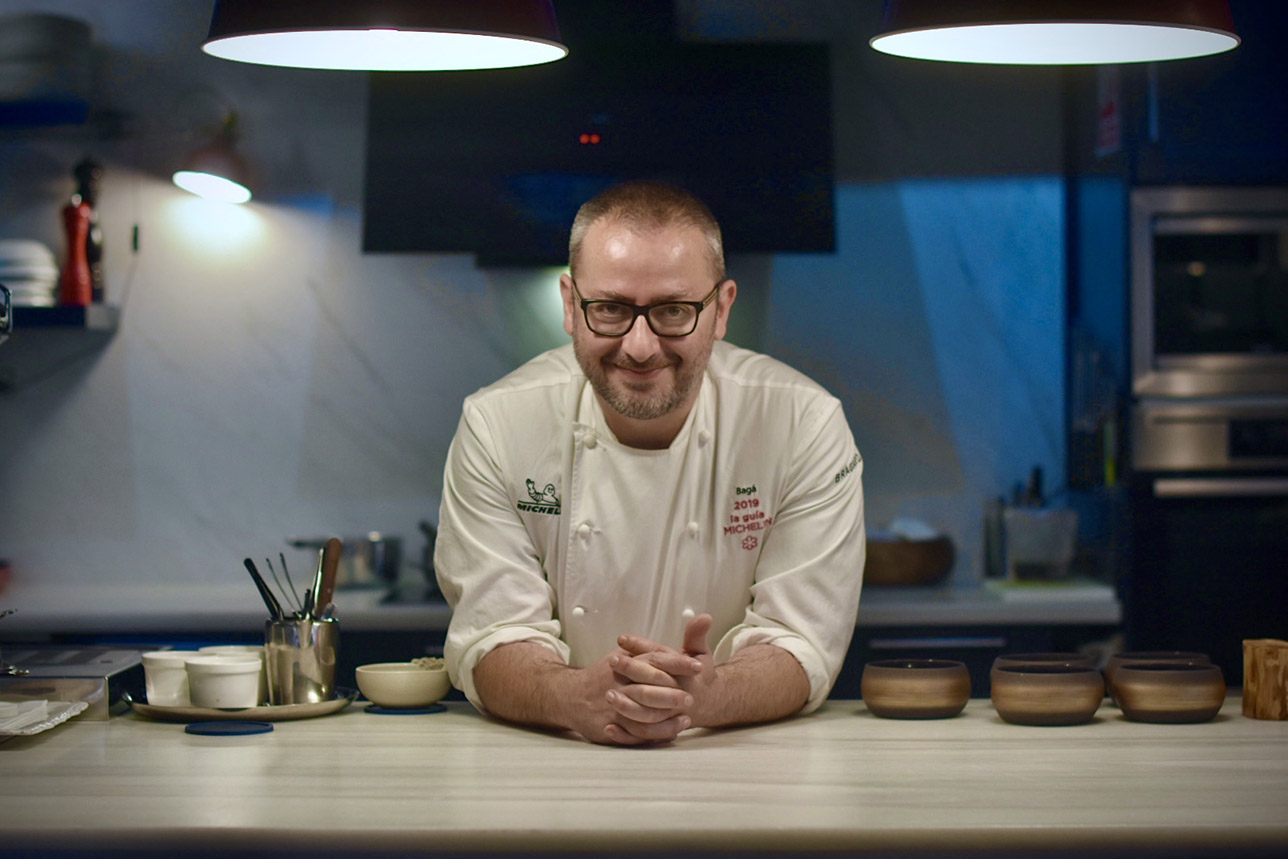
x=30, y=271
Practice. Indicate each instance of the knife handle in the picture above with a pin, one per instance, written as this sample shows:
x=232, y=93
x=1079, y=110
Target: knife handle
x=331, y=553
x=274, y=607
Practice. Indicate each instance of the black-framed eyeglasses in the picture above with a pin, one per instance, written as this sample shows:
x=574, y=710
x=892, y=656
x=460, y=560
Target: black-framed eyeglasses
x=666, y=318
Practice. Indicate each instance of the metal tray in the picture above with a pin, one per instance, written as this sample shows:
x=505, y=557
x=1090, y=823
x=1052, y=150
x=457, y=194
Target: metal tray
x=266, y=713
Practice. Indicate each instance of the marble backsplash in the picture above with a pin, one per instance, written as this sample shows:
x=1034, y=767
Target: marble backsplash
x=275, y=381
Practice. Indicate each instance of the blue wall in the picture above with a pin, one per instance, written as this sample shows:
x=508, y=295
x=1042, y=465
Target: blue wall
x=940, y=324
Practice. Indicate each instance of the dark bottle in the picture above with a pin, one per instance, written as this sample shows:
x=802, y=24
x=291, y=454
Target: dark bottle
x=88, y=173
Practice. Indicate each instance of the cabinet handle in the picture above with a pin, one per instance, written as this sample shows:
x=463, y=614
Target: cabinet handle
x=1215, y=487
x=979, y=642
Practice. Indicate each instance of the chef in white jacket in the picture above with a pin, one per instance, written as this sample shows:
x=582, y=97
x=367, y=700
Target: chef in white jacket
x=649, y=529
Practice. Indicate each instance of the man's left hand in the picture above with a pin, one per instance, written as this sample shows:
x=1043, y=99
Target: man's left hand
x=648, y=664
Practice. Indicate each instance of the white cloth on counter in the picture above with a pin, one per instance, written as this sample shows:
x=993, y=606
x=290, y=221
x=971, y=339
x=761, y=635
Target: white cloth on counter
x=551, y=530
x=15, y=715
x=23, y=716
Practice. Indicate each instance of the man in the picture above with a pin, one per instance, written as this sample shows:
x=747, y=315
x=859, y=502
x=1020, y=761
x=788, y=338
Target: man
x=612, y=505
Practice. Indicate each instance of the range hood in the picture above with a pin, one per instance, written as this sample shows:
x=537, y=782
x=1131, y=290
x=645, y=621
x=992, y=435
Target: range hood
x=497, y=162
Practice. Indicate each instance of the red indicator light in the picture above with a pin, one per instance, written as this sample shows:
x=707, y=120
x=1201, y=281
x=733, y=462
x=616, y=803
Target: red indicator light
x=585, y=138
x=590, y=139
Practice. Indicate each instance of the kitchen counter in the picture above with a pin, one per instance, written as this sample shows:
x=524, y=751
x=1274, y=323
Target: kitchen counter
x=142, y=608
x=840, y=779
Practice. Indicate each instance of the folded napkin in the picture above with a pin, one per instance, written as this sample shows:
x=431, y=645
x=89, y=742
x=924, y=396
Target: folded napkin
x=16, y=715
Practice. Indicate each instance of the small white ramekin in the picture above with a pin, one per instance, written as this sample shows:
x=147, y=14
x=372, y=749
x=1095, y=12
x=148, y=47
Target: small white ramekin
x=224, y=681
x=166, y=678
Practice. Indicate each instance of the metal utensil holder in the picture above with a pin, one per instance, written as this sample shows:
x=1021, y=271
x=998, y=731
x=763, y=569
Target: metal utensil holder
x=300, y=658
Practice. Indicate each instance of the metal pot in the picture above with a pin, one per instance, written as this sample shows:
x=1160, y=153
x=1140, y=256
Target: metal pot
x=370, y=561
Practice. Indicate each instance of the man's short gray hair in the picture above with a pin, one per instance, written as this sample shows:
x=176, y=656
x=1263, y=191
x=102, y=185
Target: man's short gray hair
x=644, y=207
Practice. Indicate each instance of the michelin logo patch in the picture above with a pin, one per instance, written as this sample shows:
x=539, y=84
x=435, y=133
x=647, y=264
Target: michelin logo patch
x=543, y=500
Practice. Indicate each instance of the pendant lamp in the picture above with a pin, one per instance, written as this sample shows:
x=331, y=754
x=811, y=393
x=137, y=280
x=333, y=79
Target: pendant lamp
x=386, y=35
x=1055, y=32
x=217, y=171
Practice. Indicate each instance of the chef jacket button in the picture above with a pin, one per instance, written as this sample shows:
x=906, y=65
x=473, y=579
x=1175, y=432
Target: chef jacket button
x=688, y=614
x=584, y=530
x=692, y=528
x=703, y=437
x=578, y=611
x=590, y=441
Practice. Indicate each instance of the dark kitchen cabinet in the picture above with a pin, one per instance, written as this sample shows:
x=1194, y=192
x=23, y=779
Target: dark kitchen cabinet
x=1208, y=571
x=1220, y=119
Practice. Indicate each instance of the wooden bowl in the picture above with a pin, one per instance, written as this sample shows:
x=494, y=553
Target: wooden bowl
x=1024, y=660
x=915, y=688
x=1174, y=657
x=1169, y=692
x=908, y=562
x=1012, y=660
x=1047, y=694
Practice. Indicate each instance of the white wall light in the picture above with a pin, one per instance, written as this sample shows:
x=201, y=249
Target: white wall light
x=217, y=171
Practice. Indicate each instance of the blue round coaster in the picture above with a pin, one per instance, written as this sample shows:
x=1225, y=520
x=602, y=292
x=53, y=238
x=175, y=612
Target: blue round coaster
x=404, y=711
x=229, y=728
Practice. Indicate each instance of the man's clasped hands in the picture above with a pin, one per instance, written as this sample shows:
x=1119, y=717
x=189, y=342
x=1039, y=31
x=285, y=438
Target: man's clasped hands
x=651, y=692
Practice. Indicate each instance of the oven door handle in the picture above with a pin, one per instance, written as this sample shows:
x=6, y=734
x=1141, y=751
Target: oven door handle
x=1220, y=487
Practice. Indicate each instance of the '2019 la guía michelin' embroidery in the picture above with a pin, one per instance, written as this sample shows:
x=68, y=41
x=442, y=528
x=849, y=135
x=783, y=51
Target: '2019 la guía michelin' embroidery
x=747, y=517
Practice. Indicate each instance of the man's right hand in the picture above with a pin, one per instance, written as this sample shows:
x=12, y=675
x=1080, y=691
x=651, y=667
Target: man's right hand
x=656, y=704
x=525, y=682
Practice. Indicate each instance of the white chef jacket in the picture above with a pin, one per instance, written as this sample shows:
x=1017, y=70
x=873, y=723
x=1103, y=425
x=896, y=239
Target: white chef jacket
x=552, y=531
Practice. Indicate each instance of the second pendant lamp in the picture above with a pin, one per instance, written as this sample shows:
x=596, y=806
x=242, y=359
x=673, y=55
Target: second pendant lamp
x=1055, y=32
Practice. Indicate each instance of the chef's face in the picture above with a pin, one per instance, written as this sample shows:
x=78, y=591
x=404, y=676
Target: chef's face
x=639, y=375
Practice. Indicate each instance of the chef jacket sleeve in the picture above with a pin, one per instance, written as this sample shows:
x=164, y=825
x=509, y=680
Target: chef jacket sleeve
x=805, y=595
x=487, y=568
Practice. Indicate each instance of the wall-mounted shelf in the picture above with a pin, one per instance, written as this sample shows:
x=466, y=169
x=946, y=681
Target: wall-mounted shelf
x=46, y=339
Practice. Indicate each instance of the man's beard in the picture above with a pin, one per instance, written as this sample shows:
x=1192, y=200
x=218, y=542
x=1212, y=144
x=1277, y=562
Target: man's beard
x=640, y=405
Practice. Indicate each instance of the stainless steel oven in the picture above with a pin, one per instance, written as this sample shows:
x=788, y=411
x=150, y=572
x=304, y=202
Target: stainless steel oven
x=1209, y=421
x=1209, y=291
x=1217, y=445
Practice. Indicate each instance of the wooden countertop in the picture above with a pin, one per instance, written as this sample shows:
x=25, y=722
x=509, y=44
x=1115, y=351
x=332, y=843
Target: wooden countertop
x=840, y=779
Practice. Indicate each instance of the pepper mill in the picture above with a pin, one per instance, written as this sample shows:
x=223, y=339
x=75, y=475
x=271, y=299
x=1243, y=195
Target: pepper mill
x=87, y=173
x=75, y=284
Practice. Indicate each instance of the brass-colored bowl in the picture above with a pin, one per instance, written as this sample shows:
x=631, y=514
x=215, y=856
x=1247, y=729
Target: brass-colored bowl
x=1047, y=694
x=1169, y=692
x=915, y=688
